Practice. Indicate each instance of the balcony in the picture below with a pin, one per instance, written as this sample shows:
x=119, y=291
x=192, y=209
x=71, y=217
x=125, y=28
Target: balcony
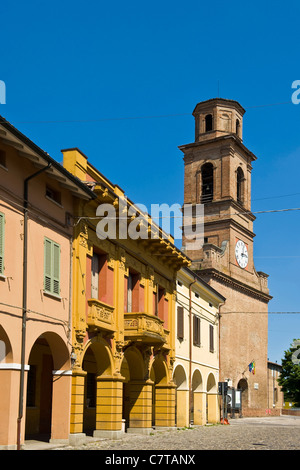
x=144, y=327
x=100, y=316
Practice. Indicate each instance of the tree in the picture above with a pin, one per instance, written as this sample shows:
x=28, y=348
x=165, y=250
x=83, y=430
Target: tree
x=290, y=376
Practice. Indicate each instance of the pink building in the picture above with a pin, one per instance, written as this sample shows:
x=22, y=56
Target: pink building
x=37, y=196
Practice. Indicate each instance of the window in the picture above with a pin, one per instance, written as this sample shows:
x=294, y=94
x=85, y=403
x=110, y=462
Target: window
x=237, y=129
x=95, y=276
x=3, y=158
x=207, y=176
x=208, y=123
x=197, y=295
x=2, y=223
x=196, y=331
x=51, y=267
x=129, y=293
x=211, y=338
x=53, y=194
x=180, y=322
x=240, y=185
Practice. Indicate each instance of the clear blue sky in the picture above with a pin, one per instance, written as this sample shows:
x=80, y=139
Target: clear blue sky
x=69, y=60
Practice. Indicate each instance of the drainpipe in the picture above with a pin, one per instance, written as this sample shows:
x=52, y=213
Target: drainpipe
x=24, y=302
x=190, y=352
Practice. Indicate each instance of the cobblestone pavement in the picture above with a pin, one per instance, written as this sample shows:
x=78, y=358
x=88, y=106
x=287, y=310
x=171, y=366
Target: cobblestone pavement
x=270, y=433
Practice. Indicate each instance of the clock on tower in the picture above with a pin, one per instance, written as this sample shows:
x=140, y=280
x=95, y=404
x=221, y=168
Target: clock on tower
x=217, y=174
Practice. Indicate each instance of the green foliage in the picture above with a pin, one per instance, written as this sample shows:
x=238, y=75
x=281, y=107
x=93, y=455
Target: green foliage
x=290, y=377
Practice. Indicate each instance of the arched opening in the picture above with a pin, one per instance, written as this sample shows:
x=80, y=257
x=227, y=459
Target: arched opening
x=211, y=399
x=181, y=397
x=243, y=387
x=39, y=391
x=237, y=127
x=208, y=123
x=207, y=180
x=132, y=370
x=5, y=347
x=159, y=377
x=97, y=364
x=197, y=399
x=240, y=185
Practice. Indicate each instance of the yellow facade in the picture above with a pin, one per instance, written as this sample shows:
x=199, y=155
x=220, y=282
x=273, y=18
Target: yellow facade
x=123, y=312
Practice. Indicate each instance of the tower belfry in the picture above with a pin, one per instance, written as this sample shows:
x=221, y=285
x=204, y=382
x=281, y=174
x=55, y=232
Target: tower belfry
x=217, y=174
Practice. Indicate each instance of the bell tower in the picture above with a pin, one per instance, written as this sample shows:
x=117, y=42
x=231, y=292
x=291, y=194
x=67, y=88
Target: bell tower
x=217, y=174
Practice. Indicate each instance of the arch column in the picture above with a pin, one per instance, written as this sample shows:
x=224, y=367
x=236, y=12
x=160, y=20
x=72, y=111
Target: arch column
x=200, y=408
x=182, y=408
x=9, y=396
x=140, y=417
x=213, y=414
x=109, y=407
x=77, y=405
x=61, y=394
x=165, y=405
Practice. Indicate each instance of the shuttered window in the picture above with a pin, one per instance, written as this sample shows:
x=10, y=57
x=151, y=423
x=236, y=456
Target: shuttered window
x=180, y=323
x=52, y=267
x=196, y=331
x=2, y=222
x=95, y=276
x=211, y=338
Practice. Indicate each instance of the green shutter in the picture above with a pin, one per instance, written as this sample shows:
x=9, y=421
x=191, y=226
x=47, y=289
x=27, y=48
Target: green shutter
x=52, y=267
x=2, y=222
x=56, y=268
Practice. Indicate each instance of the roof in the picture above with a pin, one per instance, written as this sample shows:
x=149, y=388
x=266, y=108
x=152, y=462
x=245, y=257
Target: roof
x=10, y=135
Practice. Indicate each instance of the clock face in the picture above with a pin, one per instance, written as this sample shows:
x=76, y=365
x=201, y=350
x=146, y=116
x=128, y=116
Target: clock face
x=241, y=254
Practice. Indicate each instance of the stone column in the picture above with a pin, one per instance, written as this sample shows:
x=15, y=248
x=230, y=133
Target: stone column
x=77, y=407
x=61, y=396
x=109, y=407
x=200, y=408
x=213, y=408
x=182, y=408
x=165, y=405
x=140, y=417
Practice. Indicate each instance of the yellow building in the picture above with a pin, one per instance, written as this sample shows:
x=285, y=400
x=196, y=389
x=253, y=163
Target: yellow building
x=124, y=296
x=196, y=370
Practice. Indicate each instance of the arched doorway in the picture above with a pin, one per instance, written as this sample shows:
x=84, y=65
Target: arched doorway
x=199, y=399
x=48, y=389
x=212, y=407
x=97, y=400
x=243, y=387
x=182, y=397
x=136, y=409
x=163, y=395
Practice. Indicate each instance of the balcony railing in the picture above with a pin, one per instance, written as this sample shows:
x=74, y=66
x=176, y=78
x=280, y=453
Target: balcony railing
x=144, y=327
x=100, y=315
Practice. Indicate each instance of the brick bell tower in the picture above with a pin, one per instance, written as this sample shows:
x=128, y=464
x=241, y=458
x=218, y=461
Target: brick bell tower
x=217, y=174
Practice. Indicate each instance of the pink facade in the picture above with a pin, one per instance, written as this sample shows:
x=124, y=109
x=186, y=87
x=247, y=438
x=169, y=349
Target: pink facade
x=43, y=290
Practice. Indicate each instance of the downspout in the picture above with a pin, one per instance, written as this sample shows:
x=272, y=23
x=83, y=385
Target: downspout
x=24, y=302
x=190, y=352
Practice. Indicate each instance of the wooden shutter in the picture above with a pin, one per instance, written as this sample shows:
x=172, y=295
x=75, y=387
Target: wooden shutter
x=129, y=293
x=180, y=322
x=196, y=330
x=2, y=222
x=56, y=268
x=51, y=267
x=48, y=265
x=211, y=338
x=95, y=276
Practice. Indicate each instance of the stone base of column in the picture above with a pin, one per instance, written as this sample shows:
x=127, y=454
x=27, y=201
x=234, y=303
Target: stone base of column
x=59, y=441
x=108, y=434
x=145, y=431
x=77, y=438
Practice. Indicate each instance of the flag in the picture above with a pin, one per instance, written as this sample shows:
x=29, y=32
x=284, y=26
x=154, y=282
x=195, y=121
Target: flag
x=251, y=367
